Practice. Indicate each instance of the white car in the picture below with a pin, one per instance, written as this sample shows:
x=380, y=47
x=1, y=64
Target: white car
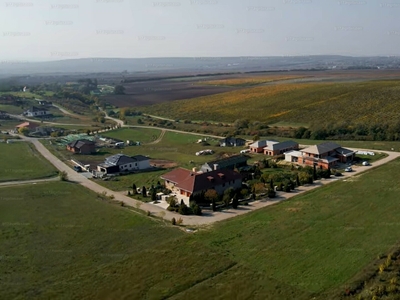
x=348, y=169
x=365, y=163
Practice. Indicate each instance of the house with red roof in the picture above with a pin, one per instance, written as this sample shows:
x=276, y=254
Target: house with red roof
x=185, y=183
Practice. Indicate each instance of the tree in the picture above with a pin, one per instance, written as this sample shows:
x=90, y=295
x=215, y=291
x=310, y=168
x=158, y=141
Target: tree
x=134, y=189
x=214, y=205
x=183, y=209
x=119, y=90
x=297, y=180
x=172, y=201
x=144, y=191
x=63, y=176
x=153, y=195
x=228, y=195
x=235, y=202
x=211, y=195
x=23, y=131
x=315, y=176
x=271, y=184
x=197, y=210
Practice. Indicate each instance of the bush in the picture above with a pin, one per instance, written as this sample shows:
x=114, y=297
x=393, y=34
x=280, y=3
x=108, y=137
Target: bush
x=271, y=193
x=183, y=209
x=148, y=213
x=171, y=208
x=173, y=221
x=179, y=221
x=197, y=210
x=63, y=176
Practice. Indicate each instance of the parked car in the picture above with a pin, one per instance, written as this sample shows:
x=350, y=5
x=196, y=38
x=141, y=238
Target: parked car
x=348, y=169
x=78, y=168
x=365, y=163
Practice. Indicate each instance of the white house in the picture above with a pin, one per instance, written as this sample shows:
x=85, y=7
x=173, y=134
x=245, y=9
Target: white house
x=293, y=156
x=36, y=112
x=124, y=163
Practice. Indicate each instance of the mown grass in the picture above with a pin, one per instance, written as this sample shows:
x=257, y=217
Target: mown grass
x=59, y=240
x=21, y=161
x=142, y=135
x=371, y=102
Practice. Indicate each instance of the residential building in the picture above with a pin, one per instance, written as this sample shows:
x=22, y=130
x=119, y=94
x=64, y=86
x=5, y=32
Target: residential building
x=82, y=147
x=258, y=146
x=232, y=142
x=326, y=155
x=45, y=103
x=124, y=163
x=185, y=183
x=273, y=149
x=231, y=162
x=29, y=125
x=293, y=156
x=36, y=112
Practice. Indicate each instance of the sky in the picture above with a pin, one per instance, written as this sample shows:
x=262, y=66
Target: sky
x=44, y=30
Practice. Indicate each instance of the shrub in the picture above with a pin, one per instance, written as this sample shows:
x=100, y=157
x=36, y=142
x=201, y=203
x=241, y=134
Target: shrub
x=179, y=221
x=170, y=208
x=183, y=209
x=197, y=210
x=148, y=213
x=173, y=221
x=63, y=176
x=235, y=202
x=271, y=193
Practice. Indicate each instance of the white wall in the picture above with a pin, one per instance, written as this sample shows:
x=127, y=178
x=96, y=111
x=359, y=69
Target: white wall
x=141, y=165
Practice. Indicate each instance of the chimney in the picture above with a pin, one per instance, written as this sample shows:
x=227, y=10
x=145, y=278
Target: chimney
x=210, y=178
x=221, y=175
x=216, y=167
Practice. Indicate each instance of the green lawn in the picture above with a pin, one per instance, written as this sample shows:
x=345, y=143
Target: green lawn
x=21, y=161
x=143, y=135
x=60, y=241
x=12, y=109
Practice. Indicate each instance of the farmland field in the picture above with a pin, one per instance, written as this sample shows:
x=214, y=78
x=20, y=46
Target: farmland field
x=322, y=104
x=21, y=161
x=310, y=246
x=250, y=81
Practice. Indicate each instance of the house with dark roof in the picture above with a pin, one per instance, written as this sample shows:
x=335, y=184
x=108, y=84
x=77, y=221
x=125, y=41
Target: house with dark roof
x=273, y=149
x=232, y=142
x=124, y=163
x=231, y=162
x=326, y=155
x=185, y=183
x=82, y=147
x=258, y=146
x=36, y=112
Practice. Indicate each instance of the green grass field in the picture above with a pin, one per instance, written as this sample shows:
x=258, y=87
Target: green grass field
x=143, y=135
x=370, y=102
x=21, y=161
x=80, y=247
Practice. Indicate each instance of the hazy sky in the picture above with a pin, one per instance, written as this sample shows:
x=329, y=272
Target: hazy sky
x=52, y=30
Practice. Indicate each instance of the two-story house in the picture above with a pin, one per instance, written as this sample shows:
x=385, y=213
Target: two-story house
x=326, y=155
x=185, y=183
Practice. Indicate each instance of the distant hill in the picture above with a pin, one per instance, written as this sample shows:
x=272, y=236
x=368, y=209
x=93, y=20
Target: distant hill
x=195, y=64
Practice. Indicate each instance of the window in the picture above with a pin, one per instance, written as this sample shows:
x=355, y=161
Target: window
x=135, y=164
